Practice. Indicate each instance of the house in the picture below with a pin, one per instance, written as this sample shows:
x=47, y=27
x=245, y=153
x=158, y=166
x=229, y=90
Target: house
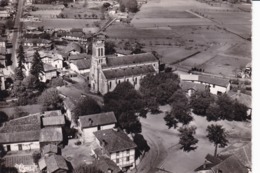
x=21, y=163
x=2, y=61
x=107, y=72
x=48, y=73
x=92, y=123
x=51, y=135
x=106, y=165
x=242, y=98
x=53, y=121
x=52, y=58
x=2, y=81
x=116, y=145
x=73, y=48
x=53, y=164
x=21, y=134
x=49, y=149
x=216, y=85
x=190, y=87
x=33, y=42
x=76, y=34
x=81, y=66
x=4, y=13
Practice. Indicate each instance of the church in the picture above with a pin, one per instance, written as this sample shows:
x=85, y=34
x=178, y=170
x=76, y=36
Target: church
x=107, y=72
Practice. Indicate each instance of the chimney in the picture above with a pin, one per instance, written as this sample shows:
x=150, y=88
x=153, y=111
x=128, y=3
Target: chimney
x=90, y=121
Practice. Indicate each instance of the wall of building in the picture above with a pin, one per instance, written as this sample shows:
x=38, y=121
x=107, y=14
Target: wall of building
x=24, y=146
x=48, y=76
x=214, y=89
x=120, y=158
x=57, y=64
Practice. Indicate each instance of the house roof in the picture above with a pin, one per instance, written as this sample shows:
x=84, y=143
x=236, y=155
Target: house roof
x=55, y=162
x=130, y=71
x=73, y=46
x=131, y=59
x=36, y=40
x=190, y=85
x=79, y=56
x=42, y=163
x=14, y=137
x=52, y=113
x=50, y=148
x=12, y=160
x=48, y=68
x=82, y=64
x=241, y=98
x=214, y=80
x=189, y=77
x=104, y=164
x=51, y=134
x=229, y=163
x=69, y=103
x=114, y=140
x=52, y=121
x=97, y=119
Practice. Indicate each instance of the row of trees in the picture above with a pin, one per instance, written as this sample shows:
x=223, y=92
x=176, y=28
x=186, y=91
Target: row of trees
x=130, y=5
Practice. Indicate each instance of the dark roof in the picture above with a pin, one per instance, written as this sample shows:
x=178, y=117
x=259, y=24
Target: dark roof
x=51, y=134
x=213, y=159
x=115, y=140
x=48, y=68
x=55, y=162
x=50, y=148
x=52, y=121
x=131, y=59
x=79, y=56
x=214, y=80
x=82, y=64
x=73, y=46
x=191, y=85
x=27, y=136
x=104, y=164
x=12, y=160
x=130, y=71
x=97, y=119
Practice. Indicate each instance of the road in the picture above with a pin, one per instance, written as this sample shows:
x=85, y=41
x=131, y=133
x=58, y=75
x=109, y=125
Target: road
x=16, y=34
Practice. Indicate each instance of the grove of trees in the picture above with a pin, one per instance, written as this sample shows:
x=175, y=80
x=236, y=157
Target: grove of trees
x=131, y=5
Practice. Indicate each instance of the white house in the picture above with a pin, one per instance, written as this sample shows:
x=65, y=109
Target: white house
x=216, y=85
x=116, y=145
x=92, y=123
x=52, y=58
x=48, y=73
x=80, y=66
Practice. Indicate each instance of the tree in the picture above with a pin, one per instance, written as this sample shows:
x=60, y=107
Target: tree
x=131, y=5
x=84, y=168
x=3, y=117
x=55, y=82
x=110, y=48
x=18, y=74
x=21, y=57
x=187, y=139
x=141, y=143
x=31, y=82
x=239, y=111
x=86, y=106
x=36, y=157
x=213, y=113
x=217, y=135
x=180, y=111
x=129, y=121
x=37, y=65
x=225, y=107
x=122, y=7
x=200, y=102
x=9, y=24
x=50, y=100
x=160, y=87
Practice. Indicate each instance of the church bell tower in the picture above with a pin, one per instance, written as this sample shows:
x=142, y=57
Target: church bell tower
x=97, y=60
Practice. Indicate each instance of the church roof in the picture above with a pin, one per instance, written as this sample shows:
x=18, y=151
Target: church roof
x=130, y=59
x=130, y=71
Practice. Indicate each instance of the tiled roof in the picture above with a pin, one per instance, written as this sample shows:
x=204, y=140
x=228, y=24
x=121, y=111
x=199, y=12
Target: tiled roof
x=55, y=162
x=51, y=134
x=52, y=121
x=82, y=64
x=50, y=148
x=52, y=113
x=27, y=136
x=214, y=80
x=79, y=56
x=48, y=68
x=114, y=140
x=131, y=59
x=97, y=119
x=190, y=85
x=73, y=46
x=189, y=77
x=70, y=104
x=12, y=160
x=130, y=71
x=36, y=40
x=104, y=164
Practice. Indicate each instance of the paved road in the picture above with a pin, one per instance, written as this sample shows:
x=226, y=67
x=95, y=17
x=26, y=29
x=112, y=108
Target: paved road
x=17, y=33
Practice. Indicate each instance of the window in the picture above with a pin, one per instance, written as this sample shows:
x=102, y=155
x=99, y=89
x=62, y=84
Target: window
x=110, y=85
x=20, y=147
x=117, y=153
x=214, y=86
x=127, y=151
x=127, y=158
x=8, y=148
x=117, y=160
